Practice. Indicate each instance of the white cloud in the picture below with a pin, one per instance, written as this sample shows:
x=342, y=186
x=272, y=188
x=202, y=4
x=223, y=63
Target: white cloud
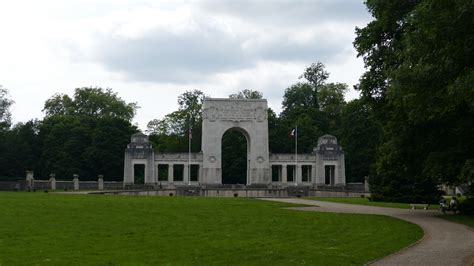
x=151, y=51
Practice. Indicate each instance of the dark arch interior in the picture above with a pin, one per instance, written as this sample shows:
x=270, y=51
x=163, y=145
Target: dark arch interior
x=234, y=157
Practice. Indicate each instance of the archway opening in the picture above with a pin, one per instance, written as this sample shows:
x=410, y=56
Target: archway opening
x=234, y=157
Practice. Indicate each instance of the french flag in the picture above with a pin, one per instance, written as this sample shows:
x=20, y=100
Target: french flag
x=293, y=132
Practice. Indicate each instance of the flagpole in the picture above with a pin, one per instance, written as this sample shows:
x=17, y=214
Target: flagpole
x=189, y=149
x=296, y=155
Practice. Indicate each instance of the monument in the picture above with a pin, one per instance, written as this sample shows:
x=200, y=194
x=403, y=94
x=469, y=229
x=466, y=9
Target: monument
x=324, y=167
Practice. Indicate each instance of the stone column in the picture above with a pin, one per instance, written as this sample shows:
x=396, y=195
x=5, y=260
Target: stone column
x=170, y=173
x=313, y=173
x=76, y=182
x=200, y=173
x=298, y=174
x=284, y=174
x=100, y=182
x=30, y=180
x=366, y=184
x=52, y=179
x=271, y=173
x=186, y=177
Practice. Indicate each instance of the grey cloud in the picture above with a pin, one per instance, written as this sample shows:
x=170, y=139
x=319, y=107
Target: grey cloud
x=189, y=57
x=291, y=12
x=169, y=57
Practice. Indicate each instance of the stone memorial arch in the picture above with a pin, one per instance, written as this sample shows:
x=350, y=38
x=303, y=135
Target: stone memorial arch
x=324, y=167
x=246, y=116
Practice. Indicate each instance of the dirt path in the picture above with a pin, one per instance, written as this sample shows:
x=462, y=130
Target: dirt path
x=444, y=243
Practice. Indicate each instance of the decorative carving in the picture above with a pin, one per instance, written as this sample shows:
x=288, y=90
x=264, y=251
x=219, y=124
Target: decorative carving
x=239, y=112
x=212, y=159
x=211, y=113
x=260, y=159
x=260, y=114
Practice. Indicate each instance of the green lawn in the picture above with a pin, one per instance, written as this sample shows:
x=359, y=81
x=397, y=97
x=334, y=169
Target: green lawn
x=366, y=201
x=47, y=228
x=462, y=219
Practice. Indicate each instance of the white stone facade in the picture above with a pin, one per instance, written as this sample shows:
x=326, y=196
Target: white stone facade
x=324, y=167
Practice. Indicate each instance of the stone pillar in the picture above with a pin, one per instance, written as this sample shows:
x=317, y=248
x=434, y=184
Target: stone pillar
x=284, y=174
x=76, y=182
x=271, y=173
x=341, y=172
x=298, y=174
x=30, y=180
x=313, y=173
x=366, y=184
x=170, y=173
x=200, y=173
x=186, y=176
x=100, y=182
x=52, y=179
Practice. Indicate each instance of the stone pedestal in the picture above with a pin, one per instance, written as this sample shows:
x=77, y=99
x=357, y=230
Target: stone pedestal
x=100, y=182
x=76, y=182
x=30, y=180
x=52, y=179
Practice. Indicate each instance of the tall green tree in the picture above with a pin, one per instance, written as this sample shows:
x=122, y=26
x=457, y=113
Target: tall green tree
x=88, y=101
x=419, y=58
x=20, y=149
x=5, y=114
x=359, y=140
x=86, y=134
x=314, y=106
x=170, y=134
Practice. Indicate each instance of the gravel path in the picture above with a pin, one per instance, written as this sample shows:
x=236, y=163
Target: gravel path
x=444, y=242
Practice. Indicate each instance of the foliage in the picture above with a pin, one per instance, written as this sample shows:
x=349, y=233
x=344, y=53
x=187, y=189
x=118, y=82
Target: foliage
x=314, y=106
x=5, y=114
x=419, y=59
x=466, y=206
x=93, y=102
x=359, y=139
x=171, y=133
x=85, y=135
x=70, y=229
x=247, y=94
x=20, y=149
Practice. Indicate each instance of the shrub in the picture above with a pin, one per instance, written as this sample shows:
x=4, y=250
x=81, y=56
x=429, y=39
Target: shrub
x=467, y=206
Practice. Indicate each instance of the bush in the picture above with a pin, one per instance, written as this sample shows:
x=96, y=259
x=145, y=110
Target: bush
x=467, y=206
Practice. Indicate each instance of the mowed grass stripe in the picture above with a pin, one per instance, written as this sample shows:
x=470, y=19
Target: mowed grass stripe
x=40, y=228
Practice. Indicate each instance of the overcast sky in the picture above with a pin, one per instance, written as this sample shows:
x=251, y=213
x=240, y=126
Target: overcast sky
x=152, y=51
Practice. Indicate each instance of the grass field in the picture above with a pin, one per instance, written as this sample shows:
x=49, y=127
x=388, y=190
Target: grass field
x=462, y=219
x=366, y=201
x=47, y=228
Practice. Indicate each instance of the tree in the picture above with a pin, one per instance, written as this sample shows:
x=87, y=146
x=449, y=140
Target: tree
x=314, y=106
x=316, y=77
x=359, y=139
x=5, y=103
x=419, y=83
x=170, y=134
x=88, y=101
x=20, y=149
x=247, y=94
x=86, y=134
